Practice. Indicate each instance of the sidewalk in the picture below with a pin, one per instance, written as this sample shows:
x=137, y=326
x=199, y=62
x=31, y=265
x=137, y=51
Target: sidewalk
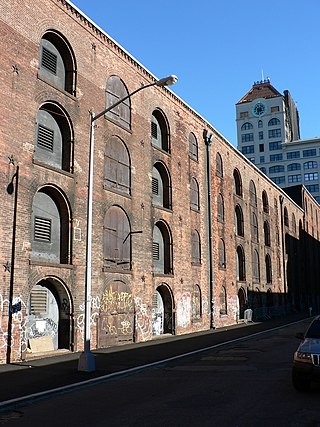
x=22, y=382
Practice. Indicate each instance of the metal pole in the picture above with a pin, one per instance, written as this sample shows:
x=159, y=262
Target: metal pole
x=86, y=360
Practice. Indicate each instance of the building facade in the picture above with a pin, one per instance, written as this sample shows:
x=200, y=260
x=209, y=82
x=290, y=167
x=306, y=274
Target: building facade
x=268, y=134
x=187, y=233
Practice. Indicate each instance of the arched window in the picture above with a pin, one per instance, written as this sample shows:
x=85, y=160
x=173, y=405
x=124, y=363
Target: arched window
x=116, y=90
x=223, y=301
x=294, y=224
x=255, y=266
x=293, y=167
x=266, y=229
x=247, y=126
x=162, y=249
x=265, y=202
x=260, y=124
x=57, y=62
x=286, y=217
x=276, y=169
x=54, y=137
x=220, y=204
x=194, y=195
x=237, y=183
x=161, y=186
x=222, y=254
x=50, y=227
x=117, y=166
x=254, y=228
x=268, y=269
x=241, y=266
x=274, y=122
x=195, y=247
x=117, y=240
x=196, y=303
x=219, y=165
x=310, y=165
x=253, y=193
x=193, y=146
x=160, y=131
x=239, y=221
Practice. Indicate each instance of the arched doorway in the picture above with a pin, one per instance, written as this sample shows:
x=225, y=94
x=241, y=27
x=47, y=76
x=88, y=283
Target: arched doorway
x=49, y=317
x=242, y=302
x=162, y=311
x=116, y=317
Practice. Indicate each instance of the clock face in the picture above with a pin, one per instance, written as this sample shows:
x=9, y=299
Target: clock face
x=259, y=109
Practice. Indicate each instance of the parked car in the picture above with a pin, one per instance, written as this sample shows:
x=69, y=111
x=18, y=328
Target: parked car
x=306, y=364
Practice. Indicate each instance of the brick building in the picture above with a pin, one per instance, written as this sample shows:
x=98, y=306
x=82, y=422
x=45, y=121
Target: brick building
x=186, y=234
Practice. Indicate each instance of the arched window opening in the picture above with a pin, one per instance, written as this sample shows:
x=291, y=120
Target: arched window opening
x=274, y=122
x=265, y=202
x=194, y=195
x=195, y=247
x=161, y=186
x=193, y=146
x=254, y=228
x=286, y=217
x=268, y=269
x=219, y=165
x=57, y=62
x=160, y=131
x=222, y=254
x=237, y=183
x=162, y=249
x=54, y=137
x=266, y=229
x=255, y=266
x=220, y=212
x=121, y=114
x=117, y=240
x=294, y=224
x=239, y=221
x=253, y=193
x=117, y=171
x=196, y=303
x=223, y=301
x=241, y=267
x=247, y=126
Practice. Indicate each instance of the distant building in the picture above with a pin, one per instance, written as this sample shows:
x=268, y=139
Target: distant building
x=269, y=135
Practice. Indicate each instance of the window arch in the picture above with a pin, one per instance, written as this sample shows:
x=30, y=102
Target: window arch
x=241, y=265
x=219, y=165
x=195, y=247
x=293, y=167
x=193, y=146
x=265, y=202
x=239, y=221
x=247, y=126
x=268, y=269
x=117, y=168
x=162, y=249
x=310, y=165
x=254, y=228
x=117, y=240
x=266, y=229
x=276, y=169
x=116, y=90
x=237, y=183
x=220, y=205
x=50, y=226
x=223, y=301
x=253, y=193
x=57, y=62
x=222, y=253
x=255, y=266
x=54, y=137
x=286, y=217
x=260, y=124
x=161, y=186
x=274, y=122
x=194, y=195
x=196, y=303
x=160, y=131
x=294, y=224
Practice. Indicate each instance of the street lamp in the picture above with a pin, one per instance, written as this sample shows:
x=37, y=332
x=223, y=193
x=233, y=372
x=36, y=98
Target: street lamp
x=86, y=360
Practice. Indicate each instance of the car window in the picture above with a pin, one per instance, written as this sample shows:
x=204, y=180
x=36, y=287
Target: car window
x=314, y=330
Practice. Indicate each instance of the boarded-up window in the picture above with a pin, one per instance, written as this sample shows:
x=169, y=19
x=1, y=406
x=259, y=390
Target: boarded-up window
x=268, y=269
x=240, y=258
x=196, y=303
x=159, y=131
x=254, y=228
x=38, y=301
x=195, y=247
x=116, y=90
x=222, y=254
x=117, y=166
x=265, y=202
x=239, y=221
x=253, y=193
x=237, y=183
x=255, y=266
x=162, y=249
x=220, y=208
x=161, y=186
x=194, y=195
x=219, y=167
x=223, y=301
x=266, y=229
x=193, y=147
x=117, y=240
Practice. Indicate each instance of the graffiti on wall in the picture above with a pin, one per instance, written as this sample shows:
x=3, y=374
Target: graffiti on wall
x=95, y=308
x=143, y=320
x=184, y=310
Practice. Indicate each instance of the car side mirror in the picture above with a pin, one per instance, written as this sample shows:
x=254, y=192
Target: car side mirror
x=300, y=335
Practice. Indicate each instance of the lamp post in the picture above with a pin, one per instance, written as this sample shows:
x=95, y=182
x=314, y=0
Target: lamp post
x=86, y=360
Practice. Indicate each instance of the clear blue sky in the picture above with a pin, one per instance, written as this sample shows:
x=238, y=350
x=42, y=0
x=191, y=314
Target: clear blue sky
x=218, y=48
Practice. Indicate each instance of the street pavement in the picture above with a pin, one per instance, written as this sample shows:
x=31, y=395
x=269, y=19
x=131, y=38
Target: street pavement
x=40, y=378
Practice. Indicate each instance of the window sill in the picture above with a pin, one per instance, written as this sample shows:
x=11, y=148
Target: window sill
x=43, y=79
x=52, y=168
x=196, y=264
x=163, y=274
x=50, y=264
x=116, y=270
x=161, y=149
x=163, y=208
x=117, y=123
x=114, y=190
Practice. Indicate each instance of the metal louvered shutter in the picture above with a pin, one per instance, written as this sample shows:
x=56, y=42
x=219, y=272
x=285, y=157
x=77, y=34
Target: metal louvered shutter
x=45, y=138
x=42, y=229
x=49, y=60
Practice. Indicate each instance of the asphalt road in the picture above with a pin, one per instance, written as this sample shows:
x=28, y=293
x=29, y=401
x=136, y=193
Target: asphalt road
x=242, y=383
